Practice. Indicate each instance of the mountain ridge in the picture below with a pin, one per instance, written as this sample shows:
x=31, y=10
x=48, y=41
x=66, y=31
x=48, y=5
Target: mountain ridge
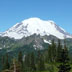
x=36, y=26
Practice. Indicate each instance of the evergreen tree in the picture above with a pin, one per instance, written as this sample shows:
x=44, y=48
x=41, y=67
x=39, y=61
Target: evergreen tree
x=53, y=51
x=41, y=64
x=3, y=62
x=6, y=63
x=20, y=57
x=20, y=60
x=27, y=62
x=64, y=60
x=49, y=56
x=65, y=47
x=32, y=62
x=59, y=50
x=16, y=66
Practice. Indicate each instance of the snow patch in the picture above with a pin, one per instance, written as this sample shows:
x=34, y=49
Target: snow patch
x=49, y=42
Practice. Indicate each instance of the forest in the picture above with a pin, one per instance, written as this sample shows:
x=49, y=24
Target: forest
x=53, y=59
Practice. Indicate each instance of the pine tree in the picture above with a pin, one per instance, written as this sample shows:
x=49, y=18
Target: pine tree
x=6, y=63
x=16, y=66
x=64, y=60
x=65, y=47
x=27, y=62
x=52, y=52
x=3, y=61
x=53, y=48
x=41, y=64
x=20, y=60
x=32, y=62
x=20, y=57
x=49, y=56
x=59, y=50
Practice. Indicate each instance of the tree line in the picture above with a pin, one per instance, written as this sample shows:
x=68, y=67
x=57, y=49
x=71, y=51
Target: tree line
x=56, y=54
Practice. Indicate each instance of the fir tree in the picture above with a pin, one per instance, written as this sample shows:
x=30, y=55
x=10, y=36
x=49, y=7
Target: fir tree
x=27, y=62
x=33, y=67
x=41, y=64
x=16, y=66
x=59, y=50
x=65, y=47
x=20, y=57
x=6, y=63
x=3, y=61
x=49, y=56
x=64, y=60
x=20, y=60
x=53, y=51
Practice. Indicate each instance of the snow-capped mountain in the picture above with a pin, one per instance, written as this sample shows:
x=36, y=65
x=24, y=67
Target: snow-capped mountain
x=36, y=26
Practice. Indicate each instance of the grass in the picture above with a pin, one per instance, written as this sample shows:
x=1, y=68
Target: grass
x=55, y=69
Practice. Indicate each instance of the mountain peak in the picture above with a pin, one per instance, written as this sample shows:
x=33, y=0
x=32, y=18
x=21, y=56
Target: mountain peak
x=36, y=26
x=52, y=22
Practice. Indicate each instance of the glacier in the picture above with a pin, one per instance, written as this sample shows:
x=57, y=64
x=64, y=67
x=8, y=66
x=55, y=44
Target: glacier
x=36, y=26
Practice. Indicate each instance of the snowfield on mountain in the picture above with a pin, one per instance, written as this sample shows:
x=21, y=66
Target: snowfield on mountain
x=36, y=26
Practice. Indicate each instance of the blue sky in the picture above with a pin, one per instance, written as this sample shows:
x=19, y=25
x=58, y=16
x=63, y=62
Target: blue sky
x=14, y=11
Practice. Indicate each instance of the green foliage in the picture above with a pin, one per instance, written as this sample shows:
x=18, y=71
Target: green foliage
x=20, y=60
x=33, y=67
x=59, y=50
x=64, y=60
x=52, y=52
x=26, y=59
x=40, y=62
x=6, y=62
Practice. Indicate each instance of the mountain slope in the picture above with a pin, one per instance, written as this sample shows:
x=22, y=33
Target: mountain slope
x=36, y=26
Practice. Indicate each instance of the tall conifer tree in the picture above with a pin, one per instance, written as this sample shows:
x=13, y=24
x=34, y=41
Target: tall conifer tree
x=41, y=63
x=64, y=60
x=32, y=62
x=20, y=60
x=59, y=50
